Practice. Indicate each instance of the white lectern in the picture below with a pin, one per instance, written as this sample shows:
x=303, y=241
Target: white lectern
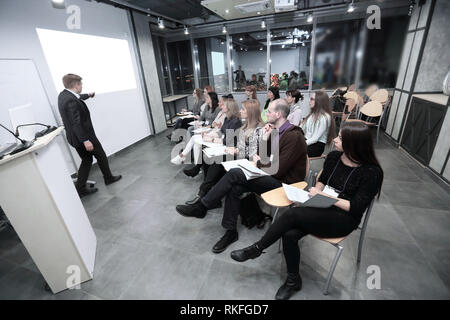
x=41, y=202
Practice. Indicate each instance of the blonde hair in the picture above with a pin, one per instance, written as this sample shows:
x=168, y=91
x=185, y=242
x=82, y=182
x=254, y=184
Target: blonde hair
x=233, y=109
x=253, y=114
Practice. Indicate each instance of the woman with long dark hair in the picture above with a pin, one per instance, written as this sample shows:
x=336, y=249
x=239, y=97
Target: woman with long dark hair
x=273, y=93
x=318, y=126
x=353, y=176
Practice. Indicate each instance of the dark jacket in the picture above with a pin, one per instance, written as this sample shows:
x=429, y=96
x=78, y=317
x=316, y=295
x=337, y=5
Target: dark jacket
x=76, y=118
x=291, y=158
x=234, y=124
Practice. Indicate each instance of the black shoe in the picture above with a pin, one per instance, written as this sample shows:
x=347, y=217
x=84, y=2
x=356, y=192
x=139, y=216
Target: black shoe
x=169, y=136
x=86, y=191
x=112, y=179
x=242, y=255
x=192, y=172
x=196, y=210
x=228, y=238
x=292, y=285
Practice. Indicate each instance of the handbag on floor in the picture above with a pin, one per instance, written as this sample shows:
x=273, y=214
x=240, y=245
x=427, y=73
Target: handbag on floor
x=251, y=214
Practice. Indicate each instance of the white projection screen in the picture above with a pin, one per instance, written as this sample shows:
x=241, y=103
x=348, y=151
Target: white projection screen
x=104, y=63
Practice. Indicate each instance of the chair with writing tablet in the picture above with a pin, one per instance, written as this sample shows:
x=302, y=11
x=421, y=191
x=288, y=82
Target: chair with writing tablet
x=336, y=242
x=371, y=109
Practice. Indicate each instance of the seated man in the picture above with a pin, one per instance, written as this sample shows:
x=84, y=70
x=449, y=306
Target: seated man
x=289, y=163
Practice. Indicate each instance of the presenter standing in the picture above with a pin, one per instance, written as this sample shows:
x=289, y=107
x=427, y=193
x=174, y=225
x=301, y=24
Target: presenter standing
x=80, y=133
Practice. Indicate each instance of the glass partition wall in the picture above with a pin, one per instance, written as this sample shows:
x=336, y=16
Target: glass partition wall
x=249, y=60
x=334, y=54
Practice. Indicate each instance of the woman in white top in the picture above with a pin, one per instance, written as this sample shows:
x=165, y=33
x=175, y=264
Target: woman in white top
x=299, y=110
x=318, y=126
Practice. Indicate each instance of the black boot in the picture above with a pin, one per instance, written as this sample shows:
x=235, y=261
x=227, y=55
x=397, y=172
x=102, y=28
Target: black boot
x=192, y=172
x=292, y=285
x=196, y=210
x=228, y=238
x=242, y=255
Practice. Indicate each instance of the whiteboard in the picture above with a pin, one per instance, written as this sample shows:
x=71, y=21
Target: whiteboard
x=21, y=85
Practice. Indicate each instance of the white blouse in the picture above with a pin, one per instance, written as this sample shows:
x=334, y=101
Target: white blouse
x=316, y=131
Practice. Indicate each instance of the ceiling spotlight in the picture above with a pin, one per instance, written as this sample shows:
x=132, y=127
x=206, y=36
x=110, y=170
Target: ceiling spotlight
x=260, y=49
x=303, y=44
x=258, y=12
x=224, y=29
x=310, y=18
x=240, y=39
x=351, y=8
x=186, y=31
x=160, y=23
x=58, y=4
x=227, y=11
x=263, y=24
x=412, y=3
x=222, y=42
x=282, y=46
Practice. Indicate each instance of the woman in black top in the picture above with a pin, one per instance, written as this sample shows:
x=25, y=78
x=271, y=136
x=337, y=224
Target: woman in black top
x=354, y=173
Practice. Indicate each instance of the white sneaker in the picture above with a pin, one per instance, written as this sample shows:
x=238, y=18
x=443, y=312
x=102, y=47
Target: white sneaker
x=177, y=160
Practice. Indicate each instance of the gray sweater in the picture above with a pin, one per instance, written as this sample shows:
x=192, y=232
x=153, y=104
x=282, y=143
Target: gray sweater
x=196, y=107
x=208, y=116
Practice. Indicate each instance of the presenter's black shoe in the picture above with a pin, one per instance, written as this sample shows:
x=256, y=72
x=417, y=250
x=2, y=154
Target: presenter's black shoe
x=292, y=285
x=169, y=136
x=112, y=179
x=196, y=210
x=242, y=255
x=228, y=238
x=192, y=172
x=86, y=191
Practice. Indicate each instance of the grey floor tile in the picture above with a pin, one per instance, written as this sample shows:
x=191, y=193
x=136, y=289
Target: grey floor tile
x=169, y=274
x=119, y=263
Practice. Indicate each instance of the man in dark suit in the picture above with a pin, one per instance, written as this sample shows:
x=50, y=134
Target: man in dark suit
x=80, y=133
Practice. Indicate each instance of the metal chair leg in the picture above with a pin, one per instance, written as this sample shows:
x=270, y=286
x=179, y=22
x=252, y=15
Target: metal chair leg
x=333, y=266
x=275, y=215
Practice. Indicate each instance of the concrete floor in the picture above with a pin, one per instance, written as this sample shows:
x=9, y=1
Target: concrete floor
x=148, y=251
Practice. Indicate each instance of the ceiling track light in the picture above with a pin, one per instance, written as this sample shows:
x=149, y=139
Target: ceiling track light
x=160, y=23
x=263, y=24
x=224, y=29
x=186, y=30
x=58, y=4
x=310, y=18
x=351, y=7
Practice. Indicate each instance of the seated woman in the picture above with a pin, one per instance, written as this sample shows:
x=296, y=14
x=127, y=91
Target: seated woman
x=299, y=111
x=272, y=94
x=355, y=174
x=318, y=126
x=232, y=121
x=250, y=92
x=183, y=123
x=210, y=114
x=249, y=138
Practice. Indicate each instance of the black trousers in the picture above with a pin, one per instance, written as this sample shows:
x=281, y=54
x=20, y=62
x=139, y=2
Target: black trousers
x=315, y=149
x=213, y=174
x=86, y=163
x=232, y=185
x=183, y=123
x=299, y=222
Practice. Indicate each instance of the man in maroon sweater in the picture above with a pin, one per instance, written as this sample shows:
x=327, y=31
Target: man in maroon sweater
x=288, y=165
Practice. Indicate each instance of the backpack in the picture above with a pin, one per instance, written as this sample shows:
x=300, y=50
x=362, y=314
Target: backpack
x=251, y=214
